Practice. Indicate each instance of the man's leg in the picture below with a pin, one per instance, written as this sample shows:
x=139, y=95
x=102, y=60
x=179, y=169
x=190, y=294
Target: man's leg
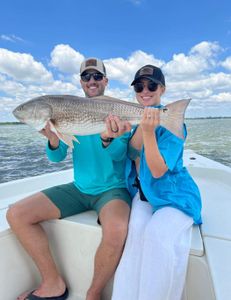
x=24, y=218
x=114, y=220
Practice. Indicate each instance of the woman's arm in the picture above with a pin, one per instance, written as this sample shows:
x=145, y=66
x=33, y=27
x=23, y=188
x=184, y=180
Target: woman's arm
x=155, y=161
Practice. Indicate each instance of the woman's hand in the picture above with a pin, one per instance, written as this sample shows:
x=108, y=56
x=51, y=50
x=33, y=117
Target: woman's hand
x=150, y=119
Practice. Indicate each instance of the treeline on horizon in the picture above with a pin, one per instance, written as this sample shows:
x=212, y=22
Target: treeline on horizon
x=199, y=118
x=11, y=123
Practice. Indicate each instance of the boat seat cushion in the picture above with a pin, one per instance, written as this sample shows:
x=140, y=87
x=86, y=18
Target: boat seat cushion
x=90, y=218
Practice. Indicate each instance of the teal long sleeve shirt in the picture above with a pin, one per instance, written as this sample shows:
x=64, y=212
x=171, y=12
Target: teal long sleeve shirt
x=96, y=169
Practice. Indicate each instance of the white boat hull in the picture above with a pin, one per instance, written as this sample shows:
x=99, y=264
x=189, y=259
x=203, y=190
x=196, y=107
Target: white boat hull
x=74, y=240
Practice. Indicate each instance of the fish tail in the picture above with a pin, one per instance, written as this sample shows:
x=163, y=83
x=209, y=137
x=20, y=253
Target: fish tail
x=172, y=116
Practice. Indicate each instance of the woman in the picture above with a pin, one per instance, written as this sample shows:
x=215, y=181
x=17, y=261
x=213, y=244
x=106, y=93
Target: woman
x=166, y=203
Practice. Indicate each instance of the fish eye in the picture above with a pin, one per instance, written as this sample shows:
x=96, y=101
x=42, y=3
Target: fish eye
x=165, y=109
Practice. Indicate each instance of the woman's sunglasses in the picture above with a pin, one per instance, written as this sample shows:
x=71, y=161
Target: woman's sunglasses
x=139, y=86
x=87, y=76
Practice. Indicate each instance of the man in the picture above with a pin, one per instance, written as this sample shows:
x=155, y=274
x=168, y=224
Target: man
x=98, y=183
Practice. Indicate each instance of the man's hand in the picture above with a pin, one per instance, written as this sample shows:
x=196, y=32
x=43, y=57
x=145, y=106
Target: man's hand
x=50, y=135
x=115, y=127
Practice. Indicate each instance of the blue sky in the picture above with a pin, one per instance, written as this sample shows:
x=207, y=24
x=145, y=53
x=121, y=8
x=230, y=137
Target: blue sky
x=42, y=44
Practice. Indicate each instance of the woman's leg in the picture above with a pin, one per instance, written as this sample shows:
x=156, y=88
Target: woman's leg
x=166, y=246
x=127, y=276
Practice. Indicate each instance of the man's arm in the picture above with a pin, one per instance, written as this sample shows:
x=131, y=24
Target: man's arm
x=56, y=150
x=116, y=136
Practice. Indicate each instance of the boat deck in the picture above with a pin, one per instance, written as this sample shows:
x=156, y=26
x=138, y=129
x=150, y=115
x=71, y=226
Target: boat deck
x=210, y=254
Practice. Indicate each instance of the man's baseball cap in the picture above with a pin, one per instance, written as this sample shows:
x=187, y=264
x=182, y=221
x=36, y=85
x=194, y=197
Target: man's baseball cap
x=93, y=63
x=150, y=72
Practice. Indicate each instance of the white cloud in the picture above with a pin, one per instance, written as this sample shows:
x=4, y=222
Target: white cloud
x=211, y=82
x=126, y=94
x=23, y=67
x=23, y=93
x=206, y=49
x=200, y=58
x=124, y=69
x=10, y=38
x=66, y=59
x=182, y=66
x=227, y=63
x=210, y=92
x=222, y=97
x=196, y=74
x=11, y=87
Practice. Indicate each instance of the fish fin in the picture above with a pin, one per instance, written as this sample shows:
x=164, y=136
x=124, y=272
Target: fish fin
x=172, y=116
x=67, y=139
x=52, y=127
x=74, y=138
x=40, y=127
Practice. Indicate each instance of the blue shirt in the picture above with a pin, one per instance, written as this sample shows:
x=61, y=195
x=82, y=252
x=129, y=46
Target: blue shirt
x=96, y=169
x=175, y=188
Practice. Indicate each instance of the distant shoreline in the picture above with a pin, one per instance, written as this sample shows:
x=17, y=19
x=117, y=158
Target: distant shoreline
x=198, y=118
x=208, y=118
x=11, y=123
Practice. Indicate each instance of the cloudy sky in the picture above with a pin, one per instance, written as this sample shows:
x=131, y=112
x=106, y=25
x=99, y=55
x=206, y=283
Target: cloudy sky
x=42, y=44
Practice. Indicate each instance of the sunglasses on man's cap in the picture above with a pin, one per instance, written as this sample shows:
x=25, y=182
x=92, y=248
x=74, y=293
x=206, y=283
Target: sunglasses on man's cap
x=96, y=76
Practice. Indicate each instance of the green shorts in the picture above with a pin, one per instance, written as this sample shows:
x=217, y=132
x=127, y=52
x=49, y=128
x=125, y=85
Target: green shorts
x=71, y=201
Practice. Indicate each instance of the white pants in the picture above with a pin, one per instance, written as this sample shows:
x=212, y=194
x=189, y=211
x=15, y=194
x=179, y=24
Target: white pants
x=154, y=262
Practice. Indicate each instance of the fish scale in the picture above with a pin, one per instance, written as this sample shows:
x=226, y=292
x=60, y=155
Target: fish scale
x=94, y=111
x=73, y=115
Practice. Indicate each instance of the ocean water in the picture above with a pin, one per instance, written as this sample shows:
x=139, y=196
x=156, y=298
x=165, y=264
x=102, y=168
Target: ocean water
x=210, y=138
x=22, y=150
